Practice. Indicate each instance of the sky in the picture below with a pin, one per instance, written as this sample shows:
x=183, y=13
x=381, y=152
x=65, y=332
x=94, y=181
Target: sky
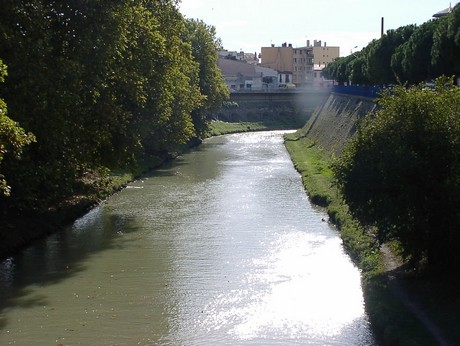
x=248, y=25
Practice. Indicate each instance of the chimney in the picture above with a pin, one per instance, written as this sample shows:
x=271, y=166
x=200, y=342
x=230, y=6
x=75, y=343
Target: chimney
x=324, y=44
x=308, y=43
x=381, y=30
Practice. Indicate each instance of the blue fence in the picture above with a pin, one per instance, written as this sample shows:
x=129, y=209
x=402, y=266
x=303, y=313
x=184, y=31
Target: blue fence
x=355, y=90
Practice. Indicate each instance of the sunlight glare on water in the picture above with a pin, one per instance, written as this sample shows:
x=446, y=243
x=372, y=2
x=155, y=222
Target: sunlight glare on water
x=220, y=247
x=294, y=291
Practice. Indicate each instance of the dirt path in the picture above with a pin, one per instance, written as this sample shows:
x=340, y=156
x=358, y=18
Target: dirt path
x=392, y=262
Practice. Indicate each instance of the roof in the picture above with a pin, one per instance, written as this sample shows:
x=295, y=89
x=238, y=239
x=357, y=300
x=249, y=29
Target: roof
x=443, y=12
x=233, y=67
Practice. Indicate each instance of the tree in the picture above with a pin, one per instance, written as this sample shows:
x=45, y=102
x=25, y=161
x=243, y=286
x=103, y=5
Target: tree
x=357, y=67
x=13, y=138
x=411, y=61
x=379, y=53
x=99, y=83
x=446, y=44
x=400, y=174
x=338, y=70
x=205, y=49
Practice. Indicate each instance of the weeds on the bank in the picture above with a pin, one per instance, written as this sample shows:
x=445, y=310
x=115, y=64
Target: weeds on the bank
x=394, y=322
x=314, y=166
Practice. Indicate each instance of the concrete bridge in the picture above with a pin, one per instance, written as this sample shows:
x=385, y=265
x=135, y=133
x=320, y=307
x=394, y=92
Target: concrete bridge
x=299, y=97
x=257, y=105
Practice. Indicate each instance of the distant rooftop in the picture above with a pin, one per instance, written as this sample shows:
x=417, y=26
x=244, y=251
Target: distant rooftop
x=443, y=12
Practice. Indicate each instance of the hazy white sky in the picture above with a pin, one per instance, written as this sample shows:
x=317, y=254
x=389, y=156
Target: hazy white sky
x=251, y=24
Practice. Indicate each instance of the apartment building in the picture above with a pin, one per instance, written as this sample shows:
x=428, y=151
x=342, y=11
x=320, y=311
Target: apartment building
x=243, y=76
x=289, y=61
x=323, y=54
x=298, y=62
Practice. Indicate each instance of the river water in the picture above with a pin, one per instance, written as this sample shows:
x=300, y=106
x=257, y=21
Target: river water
x=221, y=247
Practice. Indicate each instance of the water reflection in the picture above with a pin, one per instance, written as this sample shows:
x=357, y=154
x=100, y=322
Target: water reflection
x=219, y=248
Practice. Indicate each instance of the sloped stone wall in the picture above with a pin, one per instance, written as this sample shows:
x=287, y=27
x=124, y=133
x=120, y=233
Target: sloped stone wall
x=334, y=122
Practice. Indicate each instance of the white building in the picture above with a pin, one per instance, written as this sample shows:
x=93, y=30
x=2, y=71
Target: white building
x=239, y=75
x=318, y=80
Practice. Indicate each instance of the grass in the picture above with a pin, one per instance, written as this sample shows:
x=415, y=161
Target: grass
x=217, y=128
x=314, y=165
x=391, y=317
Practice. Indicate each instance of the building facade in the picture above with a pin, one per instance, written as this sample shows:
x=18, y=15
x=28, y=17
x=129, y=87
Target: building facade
x=299, y=61
x=242, y=76
x=289, y=61
x=323, y=54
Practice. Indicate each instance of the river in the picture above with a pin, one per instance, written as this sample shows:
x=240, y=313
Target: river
x=219, y=247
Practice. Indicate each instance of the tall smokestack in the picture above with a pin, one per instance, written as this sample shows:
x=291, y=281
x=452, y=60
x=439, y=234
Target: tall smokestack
x=381, y=30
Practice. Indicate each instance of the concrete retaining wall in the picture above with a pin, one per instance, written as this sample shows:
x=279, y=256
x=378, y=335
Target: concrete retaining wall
x=333, y=123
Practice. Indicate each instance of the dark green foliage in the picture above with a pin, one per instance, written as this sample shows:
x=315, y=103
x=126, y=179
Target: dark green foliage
x=401, y=172
x=409, y=54
x=446, y=45
x=411, y=61
x=100, y=84
x=379, y=53
x=205, y=50
x=13, y=138
x=357, y=70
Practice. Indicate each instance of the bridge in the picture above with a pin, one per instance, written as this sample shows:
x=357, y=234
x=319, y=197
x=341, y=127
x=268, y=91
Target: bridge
x=301, y=97
x=257, y=105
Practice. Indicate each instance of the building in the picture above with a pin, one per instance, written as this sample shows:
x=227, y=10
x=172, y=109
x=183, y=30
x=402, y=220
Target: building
x=242, y=76
x=318, y=80
x=250, y=58
x=443, y=13
x=289, y=61
x=323, y=54
x=298, y=62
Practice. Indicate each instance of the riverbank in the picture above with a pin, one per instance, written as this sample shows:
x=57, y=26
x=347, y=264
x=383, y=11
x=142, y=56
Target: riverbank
x=404, y=307
x=385, y=312
x=384, y=285
x=227, y=220
x=23, y=229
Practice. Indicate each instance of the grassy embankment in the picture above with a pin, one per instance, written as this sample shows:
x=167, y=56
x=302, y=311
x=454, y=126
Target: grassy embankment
x=393, y=320
x=217, y=128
